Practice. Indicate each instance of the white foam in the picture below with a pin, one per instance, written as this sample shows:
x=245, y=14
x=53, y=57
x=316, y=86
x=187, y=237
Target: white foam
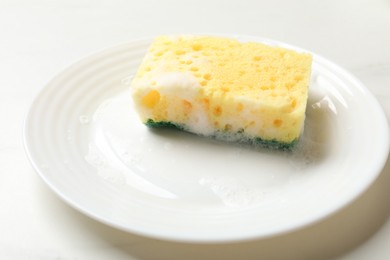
x=182, y=85
x=199, y=122
x=232, y=192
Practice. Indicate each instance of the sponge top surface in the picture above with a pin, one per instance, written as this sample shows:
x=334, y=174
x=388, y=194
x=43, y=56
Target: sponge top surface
x=226, y=68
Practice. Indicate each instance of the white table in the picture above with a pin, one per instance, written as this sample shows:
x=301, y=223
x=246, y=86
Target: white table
x=39, y=38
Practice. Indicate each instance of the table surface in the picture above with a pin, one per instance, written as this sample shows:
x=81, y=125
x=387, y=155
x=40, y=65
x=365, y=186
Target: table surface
x=39, y=38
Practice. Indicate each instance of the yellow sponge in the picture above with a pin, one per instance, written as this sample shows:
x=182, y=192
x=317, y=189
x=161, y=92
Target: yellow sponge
x=211, y=85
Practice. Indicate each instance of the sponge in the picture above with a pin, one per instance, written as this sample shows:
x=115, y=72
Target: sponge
x=217, y=86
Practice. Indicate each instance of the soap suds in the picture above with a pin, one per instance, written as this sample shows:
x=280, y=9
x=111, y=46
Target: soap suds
x=231, y=192
x=182, y=85
x=199, y=122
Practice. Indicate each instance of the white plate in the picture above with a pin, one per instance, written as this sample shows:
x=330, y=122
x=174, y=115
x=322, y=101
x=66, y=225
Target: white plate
x=86, y=142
